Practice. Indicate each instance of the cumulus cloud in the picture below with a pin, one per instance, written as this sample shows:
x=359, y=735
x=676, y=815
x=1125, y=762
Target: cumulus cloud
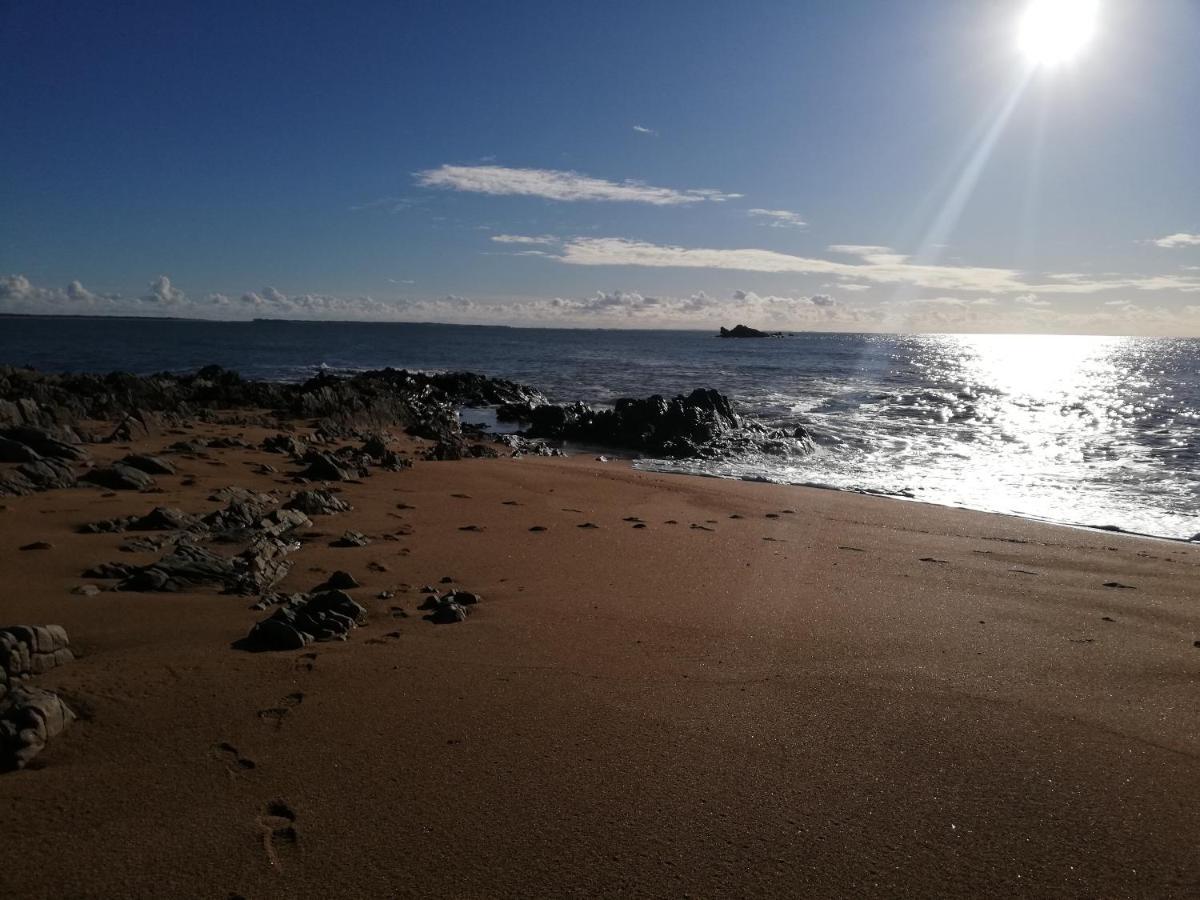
x=552, y=184
x=163, y=293
x=777, y=218
x=1180, y=239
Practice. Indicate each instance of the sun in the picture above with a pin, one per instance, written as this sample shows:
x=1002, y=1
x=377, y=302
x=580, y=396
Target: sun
x=1056, y=31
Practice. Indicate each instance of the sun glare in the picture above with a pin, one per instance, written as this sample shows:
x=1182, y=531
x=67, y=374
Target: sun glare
x=1056, y=31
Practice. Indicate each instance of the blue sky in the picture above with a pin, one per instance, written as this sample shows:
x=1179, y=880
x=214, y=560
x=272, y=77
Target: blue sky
x=854, y=165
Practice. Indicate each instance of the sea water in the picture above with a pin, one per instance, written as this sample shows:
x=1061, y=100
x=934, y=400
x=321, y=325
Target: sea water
x=1101, y=431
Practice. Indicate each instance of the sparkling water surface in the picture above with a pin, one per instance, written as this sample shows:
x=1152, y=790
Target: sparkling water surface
x=1101, y=431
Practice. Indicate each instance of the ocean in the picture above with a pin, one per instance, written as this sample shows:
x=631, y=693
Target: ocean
x=1096, y=431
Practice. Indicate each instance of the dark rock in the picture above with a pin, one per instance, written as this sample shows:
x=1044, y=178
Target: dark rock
x=119, y=477
x=109, y=571
x=351, y=539
x=317, y=503
x=15, y=452
x=45, y=442
x=151, y=465
x=324, y=467
x=323, y=616
x=744, y=331
x=339, y=581
x=287, y=444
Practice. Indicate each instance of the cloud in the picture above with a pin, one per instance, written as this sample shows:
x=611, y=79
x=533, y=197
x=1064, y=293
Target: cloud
x=162, y=293
x=778, y=218
x=1180, y=239
x=642, y=129
x=877, y=265
x=524, y=239
x=551, y=184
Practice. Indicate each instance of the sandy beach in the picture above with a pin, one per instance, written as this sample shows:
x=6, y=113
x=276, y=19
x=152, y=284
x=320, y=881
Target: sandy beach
x=720, y=689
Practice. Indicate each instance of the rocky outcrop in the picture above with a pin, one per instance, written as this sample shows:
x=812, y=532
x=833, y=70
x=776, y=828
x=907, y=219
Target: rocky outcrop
x=701, y=424
x=317, y=503
x=30, y=717
x=744, y=331
x=322, y=616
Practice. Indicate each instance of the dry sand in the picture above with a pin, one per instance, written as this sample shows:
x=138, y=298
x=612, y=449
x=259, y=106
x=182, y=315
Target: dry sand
x=831, y=695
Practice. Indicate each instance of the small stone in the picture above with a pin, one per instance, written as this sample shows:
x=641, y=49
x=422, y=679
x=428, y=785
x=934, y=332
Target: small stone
x=86, y=590
x=339, y=581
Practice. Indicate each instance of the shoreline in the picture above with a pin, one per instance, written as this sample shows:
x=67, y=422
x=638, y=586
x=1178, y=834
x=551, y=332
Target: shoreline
x=884, y=495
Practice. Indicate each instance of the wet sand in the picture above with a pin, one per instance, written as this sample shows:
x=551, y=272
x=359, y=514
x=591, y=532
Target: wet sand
x=764, y=691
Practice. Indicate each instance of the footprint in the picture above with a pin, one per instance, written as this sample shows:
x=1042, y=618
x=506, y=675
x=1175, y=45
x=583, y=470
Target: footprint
x=774, y=540
x=275, y=715
x=670, y=522
x=537, y=528
x=772, y=515
x=639, y=524
x=587, y=525
x=233, y=760
x=404, y=506
x=571, y=509
x=278, y=826
x=1119, y=586
x=1023, y=571
x=696, y=527
x=470, y=528
x=734, y=516
x=510, y=502
x=930, y=559
x=461, y=496
x=398, y=612
x=631, y=519
x=854, y=549
x=306, y=662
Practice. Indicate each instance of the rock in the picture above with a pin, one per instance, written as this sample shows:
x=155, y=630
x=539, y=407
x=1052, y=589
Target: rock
x=40, y=475
x=324, y=467
x=119, y=477
x=743, y=331
x=321, y=616
x=287, y=444
x=700, y=424
x=86, y=590
x=241, y=494
x=15, y=452
x=317, y=503
x=449, y=608
x=29, y=719
x=109, y=571
x=351, y=539
x=151, y=465
x=44, y=442
x=189, y=566
x=339, y=581
x=27, y=650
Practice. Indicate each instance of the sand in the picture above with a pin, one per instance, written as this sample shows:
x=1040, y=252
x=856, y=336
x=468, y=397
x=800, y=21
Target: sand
x=766, y=691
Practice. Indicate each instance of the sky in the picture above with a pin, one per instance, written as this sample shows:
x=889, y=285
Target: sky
x=864, y=165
